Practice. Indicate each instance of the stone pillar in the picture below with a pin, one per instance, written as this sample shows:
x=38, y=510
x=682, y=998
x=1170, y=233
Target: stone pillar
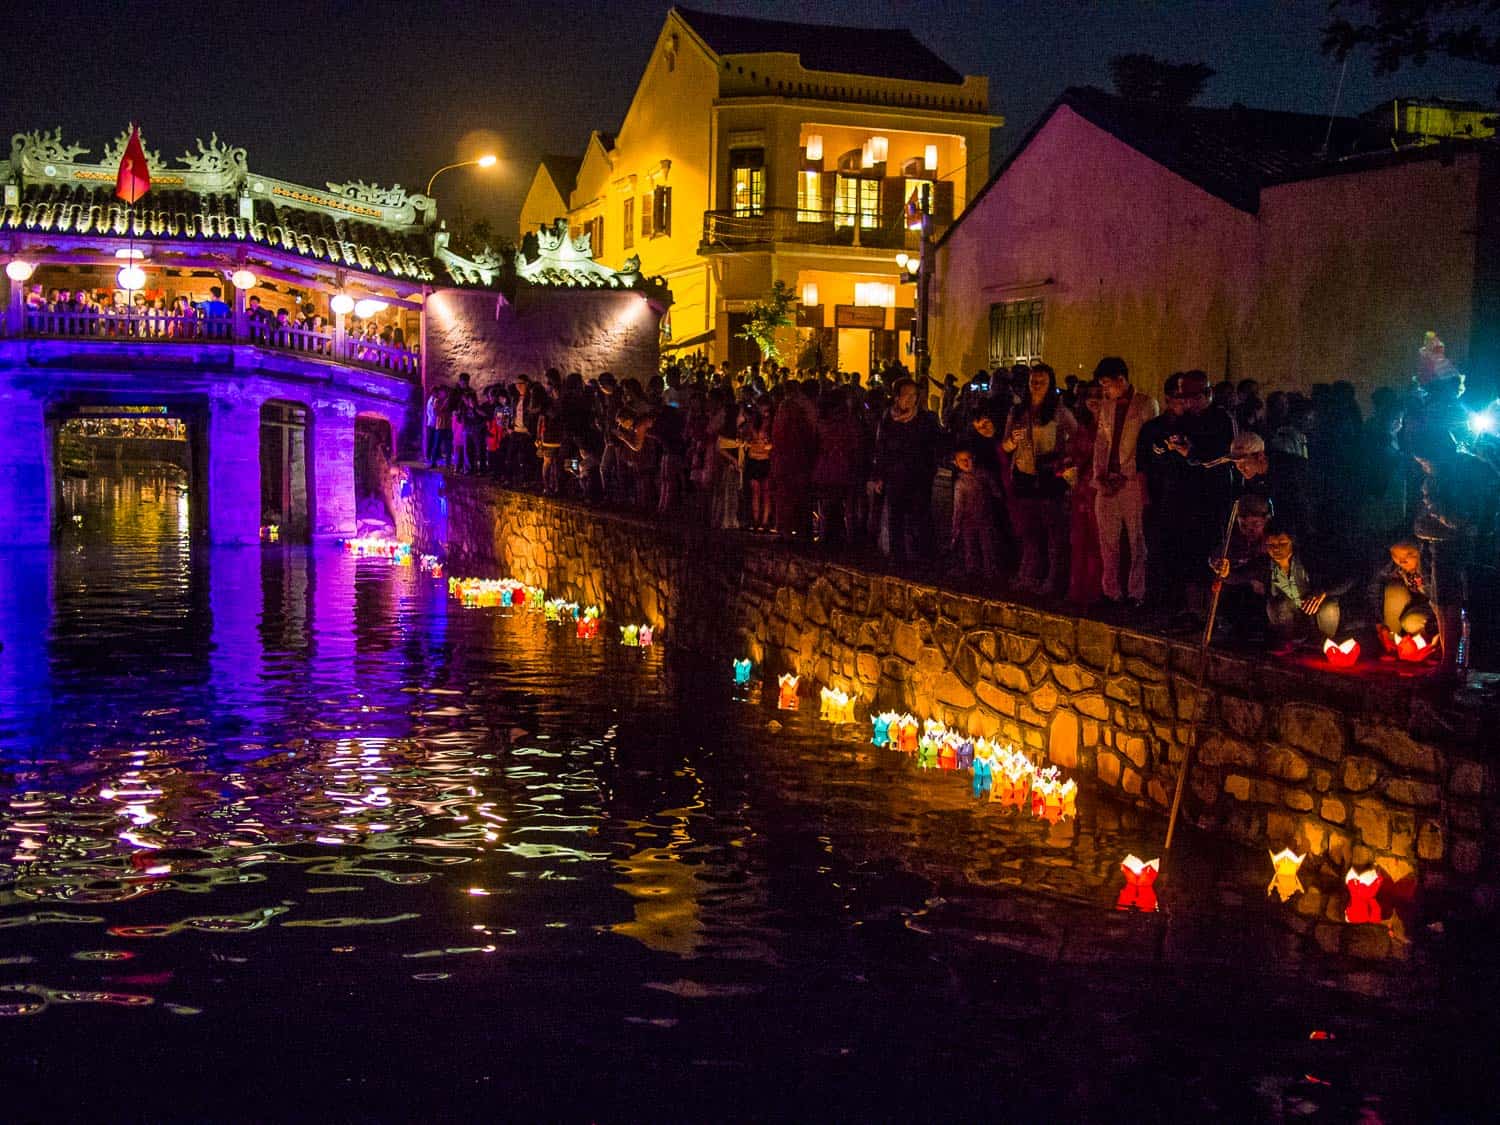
x=233, y=468
x=27, y=473
x=333, y=469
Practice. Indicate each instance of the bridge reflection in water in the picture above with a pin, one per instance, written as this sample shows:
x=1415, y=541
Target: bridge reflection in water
x=303, y=821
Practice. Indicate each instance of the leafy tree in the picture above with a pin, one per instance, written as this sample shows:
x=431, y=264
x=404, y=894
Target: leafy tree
x=482, y=233
x=1402, y=31
x=766, y=317
x=1148, y=78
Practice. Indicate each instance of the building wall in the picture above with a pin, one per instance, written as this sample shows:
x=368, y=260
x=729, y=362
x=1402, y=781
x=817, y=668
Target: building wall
x=1128, y=258
x=543, y=202
x=590, y=331
x=1334, y=278
x=1357, y=267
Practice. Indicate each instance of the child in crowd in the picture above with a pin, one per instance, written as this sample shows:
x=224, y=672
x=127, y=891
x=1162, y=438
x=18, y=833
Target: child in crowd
x=758, y=470
x=974, y=494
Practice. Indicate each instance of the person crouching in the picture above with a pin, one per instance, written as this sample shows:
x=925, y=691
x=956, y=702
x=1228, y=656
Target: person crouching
x=1298, y=608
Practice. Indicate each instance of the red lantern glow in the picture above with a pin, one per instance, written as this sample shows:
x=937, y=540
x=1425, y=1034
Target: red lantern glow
x=1362, y=891
x=1139, y=892
x=1414, y=648
x=1345, y=655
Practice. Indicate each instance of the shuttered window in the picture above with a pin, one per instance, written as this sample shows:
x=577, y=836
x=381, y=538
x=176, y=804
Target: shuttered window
x=1015, y=331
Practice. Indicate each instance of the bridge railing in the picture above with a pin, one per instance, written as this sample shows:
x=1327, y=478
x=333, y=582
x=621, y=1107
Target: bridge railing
x=155, y=325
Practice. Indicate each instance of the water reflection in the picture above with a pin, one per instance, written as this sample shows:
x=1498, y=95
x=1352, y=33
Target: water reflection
x=290, y=793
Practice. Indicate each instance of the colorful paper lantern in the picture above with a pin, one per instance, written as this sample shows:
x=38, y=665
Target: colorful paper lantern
x=835, y=706
x=1285, y=866
x=786, y=695
x=1362, y=888
x=630, y=635
x=1414, y=648
x=646, y=636
x=742, y=672
x=908, y=733
x=1344, y=655
x=588, y=623
x=1140, y=884
x=984, y=768
x=881, y=728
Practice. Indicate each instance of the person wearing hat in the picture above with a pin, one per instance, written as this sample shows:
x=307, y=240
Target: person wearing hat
x=1280, y=478
x=1299, y=607
x=1188, y=495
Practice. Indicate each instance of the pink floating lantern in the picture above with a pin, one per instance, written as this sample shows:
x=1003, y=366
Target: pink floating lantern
x=1344, y=655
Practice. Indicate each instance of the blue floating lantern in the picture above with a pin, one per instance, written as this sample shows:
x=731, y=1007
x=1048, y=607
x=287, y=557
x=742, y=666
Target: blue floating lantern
x=742, y=672
x=881, y=735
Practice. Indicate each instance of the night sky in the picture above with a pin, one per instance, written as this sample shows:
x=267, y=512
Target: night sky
x=388, y=92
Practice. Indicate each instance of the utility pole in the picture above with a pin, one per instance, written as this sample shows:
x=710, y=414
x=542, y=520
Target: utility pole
x=924, y=286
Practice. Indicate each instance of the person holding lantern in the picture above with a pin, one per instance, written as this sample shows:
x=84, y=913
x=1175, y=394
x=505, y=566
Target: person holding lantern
x=1295, y=603
x=1402, y=593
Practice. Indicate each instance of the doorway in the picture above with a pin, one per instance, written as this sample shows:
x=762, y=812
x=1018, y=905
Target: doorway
x=284, y=470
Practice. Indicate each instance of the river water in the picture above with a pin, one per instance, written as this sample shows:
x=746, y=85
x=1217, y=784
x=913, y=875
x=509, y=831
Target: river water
x=284, y=835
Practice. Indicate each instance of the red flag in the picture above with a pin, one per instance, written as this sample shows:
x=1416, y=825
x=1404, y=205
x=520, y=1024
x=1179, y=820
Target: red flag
x=134, y=178
x=913, y=212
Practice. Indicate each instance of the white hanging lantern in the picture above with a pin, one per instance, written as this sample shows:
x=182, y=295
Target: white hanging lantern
x=341, y=304
x=368, y=307
x=929, y=158
x=131, y=278
x=243, y=279
x=815, y=146
x=19, y=270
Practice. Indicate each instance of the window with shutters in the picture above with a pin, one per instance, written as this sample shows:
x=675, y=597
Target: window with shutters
x=595, y=230
x=646, y=231
x=809, y=197
x=661, y=212
x=1016, y=331
x=856, y=200
x=627, y=222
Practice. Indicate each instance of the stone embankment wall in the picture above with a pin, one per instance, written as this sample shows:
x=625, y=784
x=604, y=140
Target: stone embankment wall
x=1351, y=769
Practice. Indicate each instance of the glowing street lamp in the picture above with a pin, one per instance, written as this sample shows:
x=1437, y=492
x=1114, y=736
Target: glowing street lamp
x=488, y=160
x=131, y=278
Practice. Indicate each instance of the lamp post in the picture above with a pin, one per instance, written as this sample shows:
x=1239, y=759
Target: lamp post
x=488, y=160
x=924, y=287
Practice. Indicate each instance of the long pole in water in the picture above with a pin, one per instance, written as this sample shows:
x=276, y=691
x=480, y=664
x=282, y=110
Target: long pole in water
x=1208, y=632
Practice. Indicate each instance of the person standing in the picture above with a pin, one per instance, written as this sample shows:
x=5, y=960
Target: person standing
x=794, y=450
x=1085, y=566
x=430, y=409
x=1037, y=434
x=1119, y=490
x=906, y=454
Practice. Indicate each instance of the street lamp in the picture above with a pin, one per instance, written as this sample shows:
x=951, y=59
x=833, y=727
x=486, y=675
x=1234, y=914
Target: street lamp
x=488, y=160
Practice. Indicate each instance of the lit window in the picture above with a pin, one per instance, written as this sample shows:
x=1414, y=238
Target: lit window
x=747, y=187
x=627, y=225
x=875, y=294
x=809, y=197
x=857, y=198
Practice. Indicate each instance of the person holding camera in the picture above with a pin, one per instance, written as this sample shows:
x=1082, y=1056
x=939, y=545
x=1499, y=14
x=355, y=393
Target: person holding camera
x=1038, y=432
x=1119, y=488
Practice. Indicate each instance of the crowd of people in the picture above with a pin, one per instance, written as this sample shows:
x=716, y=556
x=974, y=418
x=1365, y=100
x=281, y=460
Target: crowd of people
x=89, y=312
x=1083, y=493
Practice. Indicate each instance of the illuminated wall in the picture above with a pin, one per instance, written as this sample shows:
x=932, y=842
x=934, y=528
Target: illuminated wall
x=1333, y=278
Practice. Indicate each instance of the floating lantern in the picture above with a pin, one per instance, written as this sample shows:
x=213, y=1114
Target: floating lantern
x=552, y=610
x=984, y=767
x=646, y=636
x=742, y=672
x=886, y=728
x=1414, y=648
x=786, y=696
x=1140, y=884
x=835, y=706
x=630, y=635
x=966, y=754
x=1013, y=775
x=588, y=624
x=908, y=731
x=397, y=553
x=270, y=532
x=1362, y=888
x=508, y=597
x=1285, y=866
x=947, y=755
x=1344, y=655
x=1052, y=798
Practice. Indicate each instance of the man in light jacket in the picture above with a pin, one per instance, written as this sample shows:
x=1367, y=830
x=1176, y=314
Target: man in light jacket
x=1120, y=492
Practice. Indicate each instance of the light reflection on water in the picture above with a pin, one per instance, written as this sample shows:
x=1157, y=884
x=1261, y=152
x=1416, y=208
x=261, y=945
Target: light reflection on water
x=349, y=834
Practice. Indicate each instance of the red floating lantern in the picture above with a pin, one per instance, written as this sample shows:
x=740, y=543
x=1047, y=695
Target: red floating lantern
x=1140, y=884
x=1414, y=648
x=1362, y=891
x=1345, y=655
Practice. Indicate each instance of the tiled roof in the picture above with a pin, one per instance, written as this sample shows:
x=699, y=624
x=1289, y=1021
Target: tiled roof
x=876, y=51
x=214, y=217
x=564, y=172
x=1230, y=152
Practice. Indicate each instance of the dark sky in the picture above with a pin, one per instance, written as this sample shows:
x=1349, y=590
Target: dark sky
x=388, y=92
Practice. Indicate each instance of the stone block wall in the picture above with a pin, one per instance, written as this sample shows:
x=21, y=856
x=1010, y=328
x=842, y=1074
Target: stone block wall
x=1350, y=769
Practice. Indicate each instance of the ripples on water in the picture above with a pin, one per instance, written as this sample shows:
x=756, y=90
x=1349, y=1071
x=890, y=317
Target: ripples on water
x=288, y=834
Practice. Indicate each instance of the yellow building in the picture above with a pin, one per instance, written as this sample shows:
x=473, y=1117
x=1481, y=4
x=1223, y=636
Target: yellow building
x=757, y=151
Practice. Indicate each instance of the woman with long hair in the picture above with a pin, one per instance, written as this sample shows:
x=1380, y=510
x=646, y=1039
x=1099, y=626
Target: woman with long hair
x=1038, y=432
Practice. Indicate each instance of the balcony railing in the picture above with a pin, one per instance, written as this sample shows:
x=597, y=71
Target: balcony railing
x=156, y=326
x=725, y=230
